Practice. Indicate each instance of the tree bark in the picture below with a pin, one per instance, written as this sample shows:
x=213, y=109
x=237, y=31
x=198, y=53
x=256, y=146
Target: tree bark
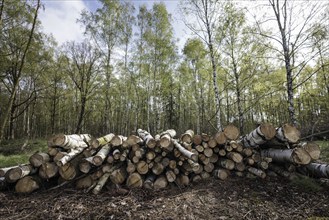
x=187, y=137
x=27, y=184
x=147, y=137
x=296, y=155
x=288, y=133
x=19, y=74
x=316, y=170
x=48, y=170
x=260, y=135
x=102, y=141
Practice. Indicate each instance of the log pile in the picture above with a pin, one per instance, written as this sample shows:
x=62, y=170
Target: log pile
x=154, y=162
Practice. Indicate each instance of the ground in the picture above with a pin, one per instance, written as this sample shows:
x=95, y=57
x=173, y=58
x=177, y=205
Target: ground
x=234, y=198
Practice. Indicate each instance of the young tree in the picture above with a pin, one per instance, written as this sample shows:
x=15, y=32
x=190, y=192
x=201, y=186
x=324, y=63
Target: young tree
x=83, y=71
x=16, y=38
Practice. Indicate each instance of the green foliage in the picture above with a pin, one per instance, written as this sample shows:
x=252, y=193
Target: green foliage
x=14, y=152
x=141, y=80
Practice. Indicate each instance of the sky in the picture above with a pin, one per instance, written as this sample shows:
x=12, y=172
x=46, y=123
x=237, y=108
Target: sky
x=59, y=18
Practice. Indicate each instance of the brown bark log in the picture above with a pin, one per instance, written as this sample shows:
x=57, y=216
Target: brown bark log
x=231, y=132
x=27, y=184
x=69, y=171
x=208, y=152
x=117, y=140
x=312, y=149
x=85, y=165
x=170, y=175
x=221, y=174
x=209, y=167
x=52, y=151
x=158, y=168
x=205, y=137
x=85, y=182
x=226, y=163
x=235, y=156
x=135, y=180
x=149, y=181
x=220, y=138
x=161, y=182
x=119, y=175
x=48, y=170
x=240, y=166
x=142, y=167
x=166, y=138
x=133, y=140
x=212, y=143
x=197, y=139
x=183, y=180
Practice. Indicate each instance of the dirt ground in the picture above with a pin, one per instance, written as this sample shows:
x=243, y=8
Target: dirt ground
x=234, y=198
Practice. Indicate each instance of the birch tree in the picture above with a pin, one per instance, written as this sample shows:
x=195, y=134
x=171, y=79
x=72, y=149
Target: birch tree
x=292, y=35
x=202, y=18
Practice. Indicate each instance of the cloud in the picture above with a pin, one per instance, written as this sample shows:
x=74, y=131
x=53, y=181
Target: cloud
x=60, y=19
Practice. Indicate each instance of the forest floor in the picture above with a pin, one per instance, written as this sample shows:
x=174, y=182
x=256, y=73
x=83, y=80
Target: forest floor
x=234, y=198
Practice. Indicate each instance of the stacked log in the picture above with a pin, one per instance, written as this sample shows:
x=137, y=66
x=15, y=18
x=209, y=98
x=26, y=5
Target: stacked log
x=154, y=162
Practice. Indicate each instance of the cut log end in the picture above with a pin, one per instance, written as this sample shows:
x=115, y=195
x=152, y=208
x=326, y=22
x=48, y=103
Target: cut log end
x=231, y=132
x=268, y=130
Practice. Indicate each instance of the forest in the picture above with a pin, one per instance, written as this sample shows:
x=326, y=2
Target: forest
x=243, y=65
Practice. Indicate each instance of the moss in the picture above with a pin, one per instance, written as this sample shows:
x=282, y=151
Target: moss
x=307, y=184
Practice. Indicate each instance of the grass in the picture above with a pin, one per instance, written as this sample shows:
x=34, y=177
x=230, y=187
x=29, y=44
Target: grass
x=18, y=151
x=307, y=184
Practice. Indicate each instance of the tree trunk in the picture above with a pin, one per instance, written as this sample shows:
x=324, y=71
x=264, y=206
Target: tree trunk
x=48, y=170
x=260, y=135
x=27, y=184
x=99, y=158
x=221, y=174
x=70, y=141
x=134, y=180
x=101, y=182
x=288, y=133
x=312, y=149
x=257, y=172
x=185, y=152
x=147, y=137
x=231, y=132
x=166, y=138
x=102, y=141
x=296, y=155
x=187, y=137
x=19, y=172
x=19, y=74
x=316, y=170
